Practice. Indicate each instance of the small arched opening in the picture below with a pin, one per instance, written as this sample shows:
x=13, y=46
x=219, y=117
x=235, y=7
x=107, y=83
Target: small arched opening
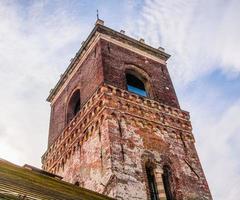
x=135, y=84
x=73, y=105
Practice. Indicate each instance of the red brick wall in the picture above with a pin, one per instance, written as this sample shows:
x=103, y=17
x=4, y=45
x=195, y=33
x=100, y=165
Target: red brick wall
x=117, y=59
x=131, y=135
x=141, y=144
x=90, y=164
x=105, y=147
x=88, y=78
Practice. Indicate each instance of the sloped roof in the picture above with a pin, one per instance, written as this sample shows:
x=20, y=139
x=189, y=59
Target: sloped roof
x=22, y=183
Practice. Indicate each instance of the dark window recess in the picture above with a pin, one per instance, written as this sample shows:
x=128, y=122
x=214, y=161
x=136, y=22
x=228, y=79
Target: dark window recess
x=77, y=107
x=152, y=183
x=167, y=182
x=77, y=183
x=135, y=85
x=73, y=105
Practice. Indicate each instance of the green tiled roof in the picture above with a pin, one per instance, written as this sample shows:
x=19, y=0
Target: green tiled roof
x=21, y=183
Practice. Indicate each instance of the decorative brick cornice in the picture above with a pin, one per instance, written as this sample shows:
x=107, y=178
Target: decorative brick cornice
x=133, y=108
x=75, y=130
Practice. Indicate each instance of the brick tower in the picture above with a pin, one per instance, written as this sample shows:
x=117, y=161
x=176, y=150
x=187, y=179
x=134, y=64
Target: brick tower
x=116, y=126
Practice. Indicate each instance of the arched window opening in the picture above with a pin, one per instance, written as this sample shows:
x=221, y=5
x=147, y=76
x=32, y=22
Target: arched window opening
x=73, y=105
x=152, y=183
x=166, y=176
x=135, y=85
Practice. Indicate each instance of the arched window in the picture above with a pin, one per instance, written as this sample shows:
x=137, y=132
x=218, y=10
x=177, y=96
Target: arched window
x=135, y=85
x=152, y=183
x=73, y=105
x=166, y=176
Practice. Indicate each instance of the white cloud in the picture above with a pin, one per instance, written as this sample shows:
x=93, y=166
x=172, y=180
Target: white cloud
x=217, y=139
x=34, y=50
x=216, y=129
x=200, y=35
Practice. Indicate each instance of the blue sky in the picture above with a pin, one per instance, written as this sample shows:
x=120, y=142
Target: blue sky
x=38, y=39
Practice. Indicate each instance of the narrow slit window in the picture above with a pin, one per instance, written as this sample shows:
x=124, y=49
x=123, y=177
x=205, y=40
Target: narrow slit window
x=135, y=85
x=152, y=183
x=166, y=176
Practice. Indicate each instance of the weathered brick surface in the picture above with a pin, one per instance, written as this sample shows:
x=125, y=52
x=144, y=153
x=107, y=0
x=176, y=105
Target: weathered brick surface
x=116, y=60
x=86, y=165
x=88, y=78
x=108, y=62
x=107, y=145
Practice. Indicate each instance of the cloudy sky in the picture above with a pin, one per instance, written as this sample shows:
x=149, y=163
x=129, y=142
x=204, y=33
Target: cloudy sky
x=38, y=39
